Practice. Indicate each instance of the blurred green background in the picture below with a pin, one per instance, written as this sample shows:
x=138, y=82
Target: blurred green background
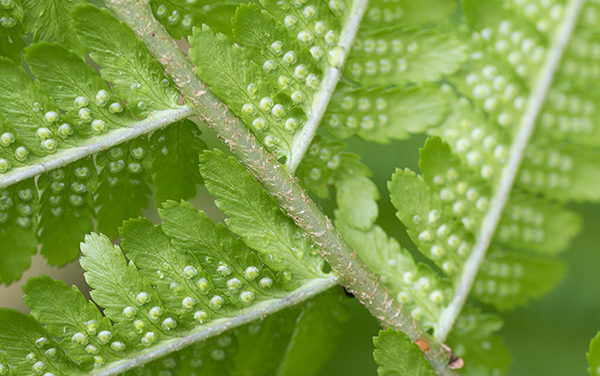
x=549, y=337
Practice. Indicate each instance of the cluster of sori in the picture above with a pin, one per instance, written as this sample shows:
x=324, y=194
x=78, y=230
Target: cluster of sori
x=506, y=48
x=42, y=116
x=326, y=164
x=56, y=110
x=444, y=208
x=184, y=276
x=33, y=127
x=11, y=13
x=426, y=289
x=282, y=55
x=446, y=219
x=481, y=102
x=391, y=72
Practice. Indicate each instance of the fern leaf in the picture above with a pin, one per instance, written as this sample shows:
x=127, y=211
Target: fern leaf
x=126, y=296
x=558, y=169
x=181, y=16
x=67, y=202
x=11, y=30
x=174, y=169
x=396, y=355
x=357, y=202
x=498, y=78
x=70, y=112
x=529, y=223
x=383, y=13
x=316, y=26
x=188, y=278
x=24, y=106
x=327, y=163
x=125, y=61
x=234, y=352
x=285, y=67
x=416, y=286
x=507, y=45
x=381, y=114
x=593, y=356
x=30, y=348
x=400, y=56
x=4, y=368
x=319, y=322
x=265, y=40
x=261, y=335
x=148, y=245
x=18, y=226
x=76, y=87
x=508, y=280
x=474, y=338
x=124, y=184
x=238, y=82
x=50, y=21
x=87, y=336
x=423, y=292
x=443, y=211
x=230, y=264
x=258, y=219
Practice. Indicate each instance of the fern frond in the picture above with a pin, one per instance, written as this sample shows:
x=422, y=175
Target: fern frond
x=136, y=77
x=497, y=80
x=179, y=17
x=18, y=228
x=444, y=210
x=416, y=286
x=286, y=69
x=475, y=339
x=421, y=290
x=479, y=222
x=593, y=356
x=124, y=181
x=258, y=220
x=175, y=151
x=382, y=13
x=381, y=114
x=50, y=21
x=398, y=56
x=11, y=30
x=49, y=125
x=326, y=164
x=514, y=71
x=68, y=201
x=234, y=352
x=400, y=50
x=185, y=281
x=396, y=354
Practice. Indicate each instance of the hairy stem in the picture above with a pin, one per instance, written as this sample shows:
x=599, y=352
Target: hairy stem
x=510, y=171
x=155, y=121
x=278, y=181
x=330, y=80
x=217, y=327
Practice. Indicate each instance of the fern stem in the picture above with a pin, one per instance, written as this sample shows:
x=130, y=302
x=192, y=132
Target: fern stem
x=510, y=171
x=278, y=181
x=217, y=327
x=330, y=80
x=155, y=121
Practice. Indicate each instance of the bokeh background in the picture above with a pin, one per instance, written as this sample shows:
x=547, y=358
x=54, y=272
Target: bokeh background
x=548, y=337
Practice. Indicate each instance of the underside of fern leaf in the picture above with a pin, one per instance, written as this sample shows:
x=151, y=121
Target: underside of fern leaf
x=66, y=124
x=186, y=280
x=508, y=103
